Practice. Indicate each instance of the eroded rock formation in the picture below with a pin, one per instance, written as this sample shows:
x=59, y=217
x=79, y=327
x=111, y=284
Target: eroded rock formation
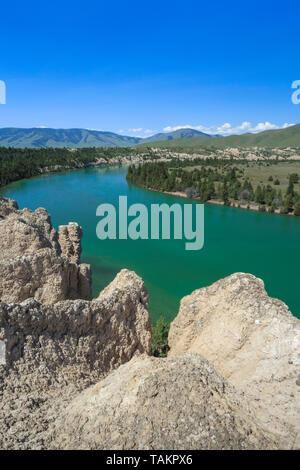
x=37, y=262
x=150, y=403
x=52, y=348
x=69, y=237
x=252, y=340
x=55, y=351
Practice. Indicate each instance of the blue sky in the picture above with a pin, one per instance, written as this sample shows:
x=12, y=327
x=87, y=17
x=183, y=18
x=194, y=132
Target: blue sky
x=142, y=67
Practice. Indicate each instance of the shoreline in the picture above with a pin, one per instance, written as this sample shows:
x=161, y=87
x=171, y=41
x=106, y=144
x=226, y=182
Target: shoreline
x=46, y=172
x=97, y=164
x=217, y=202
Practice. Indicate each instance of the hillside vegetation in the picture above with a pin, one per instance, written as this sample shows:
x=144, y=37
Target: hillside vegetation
x=16, y=164
x=82, y=138
x=282, y=138
x=178, y=134
x=187, y=139
x=264, y=185
x=60, y=138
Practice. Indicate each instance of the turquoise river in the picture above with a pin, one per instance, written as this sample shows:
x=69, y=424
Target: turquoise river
x=265, y=245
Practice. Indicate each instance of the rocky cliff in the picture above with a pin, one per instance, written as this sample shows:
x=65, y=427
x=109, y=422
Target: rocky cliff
x=36, y=261
x=252, y=340
x=55, y=351
x=52, y=347
x=77, y=373
x=151, y=403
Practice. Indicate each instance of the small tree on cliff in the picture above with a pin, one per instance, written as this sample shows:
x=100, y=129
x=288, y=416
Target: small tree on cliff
x=160, y=333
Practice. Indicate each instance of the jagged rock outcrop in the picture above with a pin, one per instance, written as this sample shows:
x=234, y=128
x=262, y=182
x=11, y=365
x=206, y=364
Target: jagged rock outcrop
x=7, y=206
x=150, y=403
x=51, y=347
x=37, y=262
x=252, y=340
x=69, y=237
x=55, y=351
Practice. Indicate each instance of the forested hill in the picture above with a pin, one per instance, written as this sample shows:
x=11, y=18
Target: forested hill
x=179, y=139
x=83, y=138
x=279, y=138
x=178, y=134
x=60, y=138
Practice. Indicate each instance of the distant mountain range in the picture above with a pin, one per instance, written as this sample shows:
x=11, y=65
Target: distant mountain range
x=73, y=138
x=178, y=134
x=80, y=138
x=289, y=137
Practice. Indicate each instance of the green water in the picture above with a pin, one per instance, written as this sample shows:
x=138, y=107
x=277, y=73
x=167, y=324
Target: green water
x=265, y=245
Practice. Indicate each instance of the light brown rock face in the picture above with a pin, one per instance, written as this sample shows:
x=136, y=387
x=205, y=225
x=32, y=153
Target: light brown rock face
x=54, y=351
x=35, y=261
x=7, y=206
x=252, y=340
x=69, y=237
x=50, y=347
x=149, y=403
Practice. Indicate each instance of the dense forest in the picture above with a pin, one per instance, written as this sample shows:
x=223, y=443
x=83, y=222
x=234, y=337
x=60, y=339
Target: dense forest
x=16, y=164
x=220, y=180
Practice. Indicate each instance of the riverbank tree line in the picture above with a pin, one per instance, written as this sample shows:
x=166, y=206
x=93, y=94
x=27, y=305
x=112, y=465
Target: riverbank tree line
x=16, y=164
x=220, y=180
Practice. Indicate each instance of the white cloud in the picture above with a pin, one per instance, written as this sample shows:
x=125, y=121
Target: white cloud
x=245, y=126
x=137, y=132
x=136, y=129
x=286, y=124
x=227, y=129
x=186, y=126
x=264, y=126
x=175, y=128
